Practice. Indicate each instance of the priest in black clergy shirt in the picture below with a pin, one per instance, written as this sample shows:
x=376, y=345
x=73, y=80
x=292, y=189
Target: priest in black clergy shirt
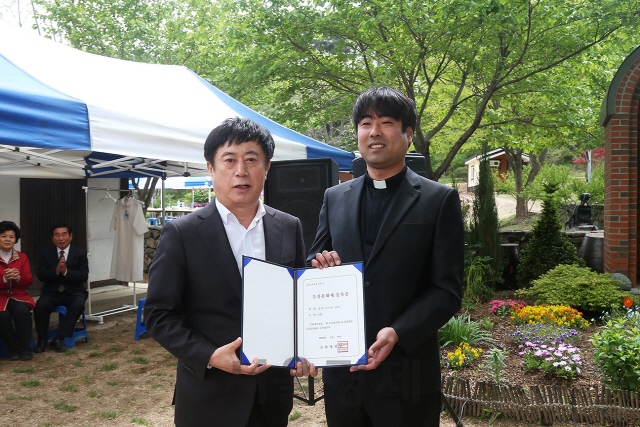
x=194, y=300
x=409, y=232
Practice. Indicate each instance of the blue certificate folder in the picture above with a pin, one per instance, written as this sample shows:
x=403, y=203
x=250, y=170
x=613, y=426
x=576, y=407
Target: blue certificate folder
x=289, y=314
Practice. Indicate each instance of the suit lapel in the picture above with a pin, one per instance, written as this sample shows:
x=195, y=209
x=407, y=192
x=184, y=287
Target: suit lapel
x=211, y=231
x=405, y=198
x=351, y=216
x=272, y=236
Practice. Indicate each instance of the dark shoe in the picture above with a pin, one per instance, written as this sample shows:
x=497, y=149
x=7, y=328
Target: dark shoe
x=13, y=355
x=58, y=345
x=40, y=347
x=26, y=355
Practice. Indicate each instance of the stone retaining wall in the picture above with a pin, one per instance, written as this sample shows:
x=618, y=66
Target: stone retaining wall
x=522, y=237
x=151, y=238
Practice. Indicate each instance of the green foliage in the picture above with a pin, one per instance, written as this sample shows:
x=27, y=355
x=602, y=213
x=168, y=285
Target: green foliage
x=462, y=329
x=139, y=420
x=23, y=371
x=295, y=415
x=595, y=187
x=578, y=287
x=70, y=387
x=484, y=225
x=32, y=383
x=106, y=414
x=617, y=352
x=548, y=246
x=470, y=66
x=109, y=366
x=486, y=324
x=550, y=174
x=496, y=360
x=64, y=407
x=139, y=359
x=477, y=273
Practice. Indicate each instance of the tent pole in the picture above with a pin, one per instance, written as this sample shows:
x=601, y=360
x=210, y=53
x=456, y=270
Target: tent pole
x=164, y=177
x=86, y=213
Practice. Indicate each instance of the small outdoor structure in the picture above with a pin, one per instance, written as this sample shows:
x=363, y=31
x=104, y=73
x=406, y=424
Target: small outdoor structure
x=619, y=116
x=497, y=161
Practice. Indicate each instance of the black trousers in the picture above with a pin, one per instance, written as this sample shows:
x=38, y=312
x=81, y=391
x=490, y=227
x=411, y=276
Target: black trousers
x=15, y=325
x=74, y=303
x=358, y=406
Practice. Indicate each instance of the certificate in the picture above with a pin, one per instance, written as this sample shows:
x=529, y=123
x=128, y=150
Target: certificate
x=316, y=314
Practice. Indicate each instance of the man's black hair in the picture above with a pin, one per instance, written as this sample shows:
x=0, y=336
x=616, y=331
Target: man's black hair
x=61, y=226
x=10, y=226
x=385, y=101
x=235, y=131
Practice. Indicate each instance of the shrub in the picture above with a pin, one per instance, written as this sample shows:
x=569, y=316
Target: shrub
x=578, y=287
x=484, y=226
x=552, y=315
x=463, y=330
x=463, y=356
x=477, y=273
x=542, y=333
x=617, y=352
x=562, y=360
x=549, y=246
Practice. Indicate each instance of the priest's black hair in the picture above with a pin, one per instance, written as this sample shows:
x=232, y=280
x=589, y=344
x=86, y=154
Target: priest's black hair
x=388, y=102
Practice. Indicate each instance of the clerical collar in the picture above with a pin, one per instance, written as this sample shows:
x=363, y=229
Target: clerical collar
x=384, y=184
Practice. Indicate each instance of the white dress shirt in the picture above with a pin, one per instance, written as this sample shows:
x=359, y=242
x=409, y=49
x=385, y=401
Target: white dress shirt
x=6, y=257
x=244, y=241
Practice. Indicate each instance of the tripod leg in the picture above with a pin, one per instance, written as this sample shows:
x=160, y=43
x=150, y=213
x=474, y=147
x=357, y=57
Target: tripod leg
x=450, y=410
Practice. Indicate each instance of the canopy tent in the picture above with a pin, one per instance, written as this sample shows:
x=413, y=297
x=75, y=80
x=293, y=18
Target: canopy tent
x=180, y=183
x=70, y=113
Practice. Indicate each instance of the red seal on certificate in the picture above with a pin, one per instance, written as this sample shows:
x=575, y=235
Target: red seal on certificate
x=343, y=346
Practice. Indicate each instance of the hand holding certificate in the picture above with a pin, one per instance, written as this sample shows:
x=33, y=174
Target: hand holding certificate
x=291, y=314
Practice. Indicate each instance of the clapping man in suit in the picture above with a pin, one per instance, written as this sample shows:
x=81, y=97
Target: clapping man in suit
x=194, y=300
x=63, y=269
x=409, y=232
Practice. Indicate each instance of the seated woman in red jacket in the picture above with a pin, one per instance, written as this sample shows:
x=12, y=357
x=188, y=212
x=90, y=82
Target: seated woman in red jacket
x=15, y=304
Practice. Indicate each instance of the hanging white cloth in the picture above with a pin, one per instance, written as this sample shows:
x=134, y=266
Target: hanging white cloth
x=129, y=223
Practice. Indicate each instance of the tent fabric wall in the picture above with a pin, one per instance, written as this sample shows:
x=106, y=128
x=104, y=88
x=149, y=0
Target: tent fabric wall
x=54, y=96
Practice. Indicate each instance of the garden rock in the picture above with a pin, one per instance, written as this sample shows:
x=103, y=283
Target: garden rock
x=623, y=281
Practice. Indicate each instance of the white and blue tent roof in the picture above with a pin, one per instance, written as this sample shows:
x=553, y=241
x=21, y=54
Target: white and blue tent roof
x=57, y=102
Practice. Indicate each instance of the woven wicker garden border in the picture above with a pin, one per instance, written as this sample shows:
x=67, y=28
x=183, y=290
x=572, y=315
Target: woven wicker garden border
x=543, y=404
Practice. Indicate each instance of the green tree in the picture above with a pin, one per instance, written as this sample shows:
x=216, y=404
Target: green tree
x=549, y=246
x=456, y=59
x=484, y=230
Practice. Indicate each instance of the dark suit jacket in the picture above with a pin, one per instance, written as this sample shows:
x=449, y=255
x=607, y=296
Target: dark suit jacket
x=413, y=279
x=77, y=270
x=194, y=305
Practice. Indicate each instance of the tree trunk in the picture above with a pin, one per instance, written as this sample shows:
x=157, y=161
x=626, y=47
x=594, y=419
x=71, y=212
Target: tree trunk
x=521, y=207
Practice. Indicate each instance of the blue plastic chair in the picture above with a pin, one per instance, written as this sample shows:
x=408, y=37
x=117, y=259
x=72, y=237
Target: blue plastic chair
x=4, y=348
x=77, y=332
x=141, y=328
x=152, y=221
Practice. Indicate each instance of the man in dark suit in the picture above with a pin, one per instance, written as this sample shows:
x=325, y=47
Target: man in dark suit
x=63, y=269
x=194, y=300
x=409, y=232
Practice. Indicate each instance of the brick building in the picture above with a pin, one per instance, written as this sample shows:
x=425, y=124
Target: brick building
x=619, y=116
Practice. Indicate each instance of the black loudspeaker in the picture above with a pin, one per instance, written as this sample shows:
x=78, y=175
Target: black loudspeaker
x=414, y=161
x=297, y=188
